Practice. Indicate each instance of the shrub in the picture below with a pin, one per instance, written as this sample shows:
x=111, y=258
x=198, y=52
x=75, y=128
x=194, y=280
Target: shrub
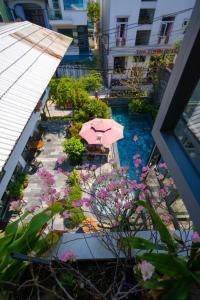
x=75, y=149
x=92, y=81
x=75, y=129
x=74, y=178
x=137, y=106
x=16, y=187
x=77, y=212
x=97, y=108
x=141, y=106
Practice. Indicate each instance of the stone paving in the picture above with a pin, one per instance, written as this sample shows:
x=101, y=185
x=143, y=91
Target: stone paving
x=53, y=139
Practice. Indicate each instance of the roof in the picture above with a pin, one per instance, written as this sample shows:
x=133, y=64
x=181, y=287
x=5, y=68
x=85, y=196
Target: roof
x=29, y=56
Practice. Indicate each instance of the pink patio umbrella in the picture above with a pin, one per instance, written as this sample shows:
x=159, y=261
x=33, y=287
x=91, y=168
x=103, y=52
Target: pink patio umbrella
x=101, y=131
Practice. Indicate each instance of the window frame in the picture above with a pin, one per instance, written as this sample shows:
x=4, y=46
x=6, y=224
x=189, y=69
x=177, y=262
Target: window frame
x=182, y=82
x=140, y=22
x=142, y=43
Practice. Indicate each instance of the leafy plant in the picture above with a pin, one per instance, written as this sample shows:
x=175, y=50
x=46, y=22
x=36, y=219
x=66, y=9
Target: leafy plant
x=74, y=178
x=75, y=128
x=75, y=149
x=17, y=186
x=97, y=108
x=92, y=81
x=142, y=106
x=174, y=275
x=93, y=12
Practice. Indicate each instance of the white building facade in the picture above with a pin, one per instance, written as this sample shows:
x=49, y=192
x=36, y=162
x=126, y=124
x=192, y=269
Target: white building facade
x=134, y=30
x=68, y=17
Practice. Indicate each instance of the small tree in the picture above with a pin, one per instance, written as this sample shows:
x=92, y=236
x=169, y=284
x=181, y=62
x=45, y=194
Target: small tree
x=93, y=12
x=96, y=108
x=75, y=149
x=92, y=82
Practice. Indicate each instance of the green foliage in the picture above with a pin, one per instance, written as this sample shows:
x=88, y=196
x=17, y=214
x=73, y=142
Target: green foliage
x=142, y=106
x=92, y=81
x=53, y=88
x=96, y=108
x=93, y=12
x=68, y=91
x=173, y=274
x=157, y=62
x=77, y=213
x=16, y=187
x=29, y=239
x=74, y=178
x=75, y=149
x=75, y=129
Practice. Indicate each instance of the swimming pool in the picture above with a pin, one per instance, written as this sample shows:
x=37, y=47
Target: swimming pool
x=134, y=124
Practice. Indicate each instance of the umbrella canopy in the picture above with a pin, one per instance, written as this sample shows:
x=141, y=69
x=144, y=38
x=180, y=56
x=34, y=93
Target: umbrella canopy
x=101, y=131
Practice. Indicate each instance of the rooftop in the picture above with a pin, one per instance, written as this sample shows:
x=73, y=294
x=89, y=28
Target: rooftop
x=29, y=56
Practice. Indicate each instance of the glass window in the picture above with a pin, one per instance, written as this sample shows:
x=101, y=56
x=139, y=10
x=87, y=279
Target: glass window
x=188, y=128
x=142, y=37
x=119, y=64
x=139, y=58
x=74, y=4
x=146, y=16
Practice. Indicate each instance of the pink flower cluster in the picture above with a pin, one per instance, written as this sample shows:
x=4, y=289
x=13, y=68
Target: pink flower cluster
x=47, y=177
x=195, y=237
x=15, y=205
x=69, y=256
x=84, y=201
x=50, y=196
x=61, y=159
x=146, y=269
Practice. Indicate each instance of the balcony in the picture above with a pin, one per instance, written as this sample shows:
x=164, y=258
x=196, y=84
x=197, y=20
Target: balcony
x=75, y=4
x=120, y=42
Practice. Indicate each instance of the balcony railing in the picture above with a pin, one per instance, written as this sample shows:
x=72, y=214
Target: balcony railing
x=55, y=14
x=163, y=39
x=120, y=42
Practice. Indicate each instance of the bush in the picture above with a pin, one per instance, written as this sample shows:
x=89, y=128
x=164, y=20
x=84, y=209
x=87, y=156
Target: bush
x=142, y=106
x=92, y=81
x=74, y=178
x=75, y=129
x=75, y=149
x=16, y=187
x=77, y=212
x=97, y=108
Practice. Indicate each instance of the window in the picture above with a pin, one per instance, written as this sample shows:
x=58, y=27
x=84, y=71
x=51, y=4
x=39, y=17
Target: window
x=148, y=0
x=142, y=37
x=146, y=16
x=119, y=64
x=188, y=128
x=74, y=4
x=139, y=58
x=121, y=31
x=165, y=30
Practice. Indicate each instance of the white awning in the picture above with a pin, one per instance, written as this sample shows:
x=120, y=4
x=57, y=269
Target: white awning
x=29, y=56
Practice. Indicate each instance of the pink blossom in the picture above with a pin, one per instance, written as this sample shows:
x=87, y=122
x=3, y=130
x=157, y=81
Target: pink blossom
x=145, y=169
x=138, y=162
x=32, y=208
x=166, y=217
x=66, y=173
x=76, y=204
x=195, y=237
x=59, y=170
x=163, y=166
x=86, y=201
x=85, y=177
x=47, y=177
x=160, y=176
x=146, y=269
x=100, y=179
x=66, y=214
x=139, y=209
x=15, y=205
x=61, y=159
x=135, y=138
x=68, y=256
x=66, y=191
x=128, y=205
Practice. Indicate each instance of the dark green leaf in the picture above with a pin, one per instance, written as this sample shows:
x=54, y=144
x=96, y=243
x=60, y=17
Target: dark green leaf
x=140, y=243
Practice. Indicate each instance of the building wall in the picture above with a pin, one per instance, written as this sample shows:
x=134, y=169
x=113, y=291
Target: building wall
x=15, y=156
x=112, y=9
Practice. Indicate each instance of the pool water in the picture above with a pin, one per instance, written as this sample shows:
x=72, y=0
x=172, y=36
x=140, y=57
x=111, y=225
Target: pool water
x=134, y=124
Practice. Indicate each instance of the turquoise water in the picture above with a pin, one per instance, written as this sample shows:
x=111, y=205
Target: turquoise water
x=134, y=124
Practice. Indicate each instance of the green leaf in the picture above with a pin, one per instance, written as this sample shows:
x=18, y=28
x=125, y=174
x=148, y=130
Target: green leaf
x=140, y=243
x=164, y=233
x=178, y=291
x=167, y=264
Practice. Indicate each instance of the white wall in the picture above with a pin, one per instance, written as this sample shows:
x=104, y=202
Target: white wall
x=18, y=149
x=77, y=17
